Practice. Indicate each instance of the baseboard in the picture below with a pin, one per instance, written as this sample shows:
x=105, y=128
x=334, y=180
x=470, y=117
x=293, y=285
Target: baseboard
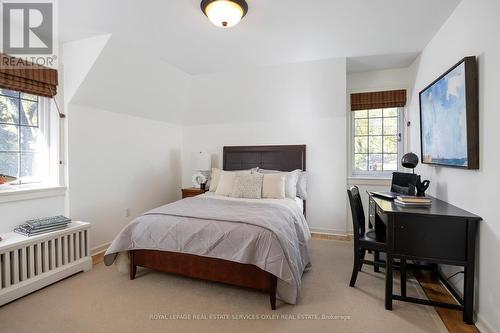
x=330, y=231
x=99, y=249
x=483, y=326
x=330, y=236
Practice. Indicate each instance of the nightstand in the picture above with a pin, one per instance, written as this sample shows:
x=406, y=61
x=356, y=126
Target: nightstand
x=191, y=192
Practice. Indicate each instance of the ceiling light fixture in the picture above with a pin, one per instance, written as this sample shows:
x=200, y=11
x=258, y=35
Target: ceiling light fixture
x=224, y=13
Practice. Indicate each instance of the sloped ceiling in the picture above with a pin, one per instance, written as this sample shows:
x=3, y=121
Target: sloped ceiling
x=156, y=45
x=79, y=57
x=134, y=83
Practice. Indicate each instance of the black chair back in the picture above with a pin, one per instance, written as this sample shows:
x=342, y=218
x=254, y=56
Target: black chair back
x=404, y=183
x=358, y=214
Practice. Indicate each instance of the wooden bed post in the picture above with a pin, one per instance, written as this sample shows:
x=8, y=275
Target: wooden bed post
x=132, y=265
x=272, y=291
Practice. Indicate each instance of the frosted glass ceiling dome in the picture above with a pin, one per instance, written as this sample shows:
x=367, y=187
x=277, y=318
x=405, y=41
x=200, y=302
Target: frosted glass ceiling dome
x=224, y=13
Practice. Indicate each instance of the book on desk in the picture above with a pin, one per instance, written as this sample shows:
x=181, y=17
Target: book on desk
x=403, y=200
x=412, y=201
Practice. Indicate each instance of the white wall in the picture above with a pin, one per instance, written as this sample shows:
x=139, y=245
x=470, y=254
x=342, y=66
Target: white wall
x=118, y=161
x=17, y=212
x=303, y=90
x=289, y=104
x=378, y=80
x=473, y=29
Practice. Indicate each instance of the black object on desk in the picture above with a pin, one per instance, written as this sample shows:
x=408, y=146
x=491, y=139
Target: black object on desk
x=384, y=194
x=404, y=183
x=440, y=234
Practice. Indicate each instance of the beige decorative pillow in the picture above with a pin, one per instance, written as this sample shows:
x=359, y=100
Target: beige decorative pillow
x=247, y=186
x=215, y=176
x=273, y=186
x=226, y=183
x=291, y=180
x=214, y=179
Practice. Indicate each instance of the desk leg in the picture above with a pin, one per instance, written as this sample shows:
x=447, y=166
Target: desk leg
x=388, y=282
x=389, y=262
x=403, y=276
x=469, y=274
x=468, y=295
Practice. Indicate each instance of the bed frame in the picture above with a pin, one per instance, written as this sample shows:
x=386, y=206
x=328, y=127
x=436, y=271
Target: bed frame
x=285, y=158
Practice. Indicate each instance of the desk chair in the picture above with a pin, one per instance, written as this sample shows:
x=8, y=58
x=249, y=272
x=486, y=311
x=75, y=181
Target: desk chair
x=366, y=240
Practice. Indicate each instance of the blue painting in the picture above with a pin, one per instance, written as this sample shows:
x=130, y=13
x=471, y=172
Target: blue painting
x=444, y=120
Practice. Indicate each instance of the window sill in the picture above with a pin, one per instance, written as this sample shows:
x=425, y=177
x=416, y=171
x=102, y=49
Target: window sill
x=29, y=192
x=363, y=180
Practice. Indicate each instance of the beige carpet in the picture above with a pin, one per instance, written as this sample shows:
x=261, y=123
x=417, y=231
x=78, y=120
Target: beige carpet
x=104, y=300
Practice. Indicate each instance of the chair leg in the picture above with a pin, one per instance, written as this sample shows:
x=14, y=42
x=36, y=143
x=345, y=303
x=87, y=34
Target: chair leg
x=402, y=269
x=356, y=267
x=362, y=257
x=376, y=257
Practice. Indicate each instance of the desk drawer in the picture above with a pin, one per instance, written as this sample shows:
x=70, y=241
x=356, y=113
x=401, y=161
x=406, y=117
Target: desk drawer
x=433, y=238
x=381, y=214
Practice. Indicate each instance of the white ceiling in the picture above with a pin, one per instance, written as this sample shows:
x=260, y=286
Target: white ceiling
x=273, y=32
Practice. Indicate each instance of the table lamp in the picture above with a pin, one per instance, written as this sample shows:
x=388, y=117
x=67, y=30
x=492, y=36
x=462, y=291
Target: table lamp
x=202, y=163
x=410, y=161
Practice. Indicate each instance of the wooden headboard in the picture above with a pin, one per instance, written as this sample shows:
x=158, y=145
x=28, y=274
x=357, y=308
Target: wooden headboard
x=284, y=158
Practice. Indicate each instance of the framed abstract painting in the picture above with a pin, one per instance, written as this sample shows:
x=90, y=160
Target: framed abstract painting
x=449, y=118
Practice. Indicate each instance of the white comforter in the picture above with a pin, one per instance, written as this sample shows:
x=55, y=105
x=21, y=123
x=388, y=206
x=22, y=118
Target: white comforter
x=271, y=234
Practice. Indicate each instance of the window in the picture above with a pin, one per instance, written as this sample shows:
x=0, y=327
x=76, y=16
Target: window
x=376, y=141
x=24, y=137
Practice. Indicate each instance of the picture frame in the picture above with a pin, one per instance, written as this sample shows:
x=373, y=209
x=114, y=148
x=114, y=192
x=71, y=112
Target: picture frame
x=449, y=118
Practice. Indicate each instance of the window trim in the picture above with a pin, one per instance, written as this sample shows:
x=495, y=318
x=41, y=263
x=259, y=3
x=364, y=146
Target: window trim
x=374, y=174
x=54, y=185
x=30, y=192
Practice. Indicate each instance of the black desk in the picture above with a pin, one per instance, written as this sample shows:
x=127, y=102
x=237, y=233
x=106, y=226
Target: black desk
x=441, y=234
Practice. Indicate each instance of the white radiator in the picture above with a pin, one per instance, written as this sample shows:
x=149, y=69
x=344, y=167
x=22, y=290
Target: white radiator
x=30, y=263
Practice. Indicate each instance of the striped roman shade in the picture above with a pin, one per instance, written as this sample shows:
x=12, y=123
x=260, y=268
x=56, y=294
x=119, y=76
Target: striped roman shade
x=21, y=75
x=378, y=100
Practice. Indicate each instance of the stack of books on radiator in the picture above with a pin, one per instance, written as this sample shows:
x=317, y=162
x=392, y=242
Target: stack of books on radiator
x=410, y=201
x=43, y=225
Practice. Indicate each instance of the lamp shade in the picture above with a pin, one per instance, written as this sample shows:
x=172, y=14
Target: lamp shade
x=201, y=161
x=410, y=160
x=224, y=13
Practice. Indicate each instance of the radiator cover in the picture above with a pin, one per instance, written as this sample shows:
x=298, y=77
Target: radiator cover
x=31, y=263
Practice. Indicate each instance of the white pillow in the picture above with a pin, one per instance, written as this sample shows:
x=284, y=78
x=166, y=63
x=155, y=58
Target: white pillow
x=215, y=176
x=273, y=186
x=302, y=185
x=214, y=179
x=226, y=183
x=247, y=186
x=291, y=179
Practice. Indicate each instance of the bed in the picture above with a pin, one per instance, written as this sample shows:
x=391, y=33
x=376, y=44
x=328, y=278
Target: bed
x=209, y=215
